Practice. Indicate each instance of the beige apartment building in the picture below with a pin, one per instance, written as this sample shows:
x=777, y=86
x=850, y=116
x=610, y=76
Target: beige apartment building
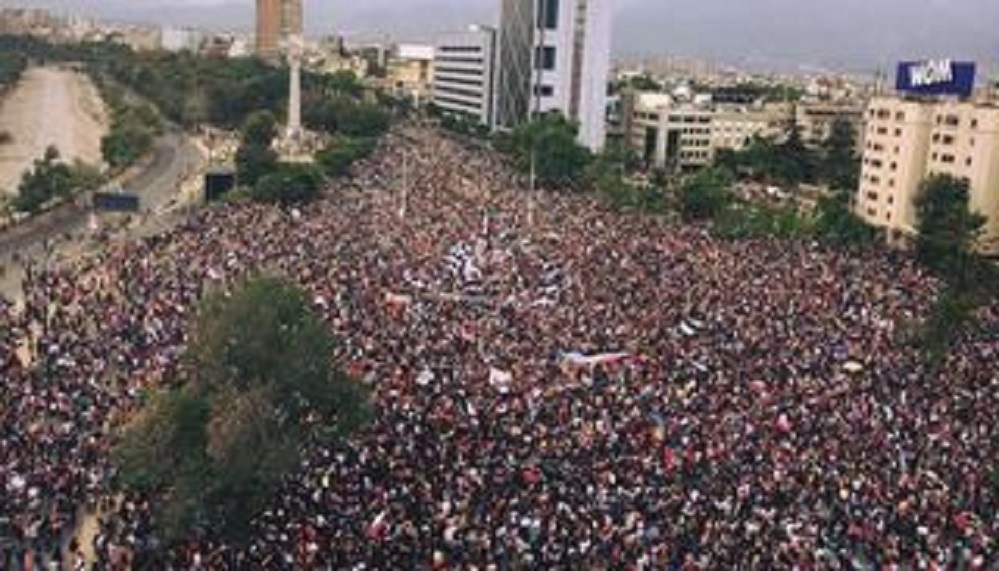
x=906, y=141
x=816, y=120
x=686, y=137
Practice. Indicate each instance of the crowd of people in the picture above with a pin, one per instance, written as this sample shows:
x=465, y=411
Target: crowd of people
x=555, y=386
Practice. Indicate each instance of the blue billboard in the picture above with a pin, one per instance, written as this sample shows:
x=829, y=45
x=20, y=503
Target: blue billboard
x=936, y=77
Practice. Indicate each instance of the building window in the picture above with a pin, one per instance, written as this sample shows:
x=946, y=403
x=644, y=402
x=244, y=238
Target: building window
x=967, y=162
x=900, y=116
x=948, y=159
x=894, y=167
x=545, y=58
x=544, y=90
x=898, y=132
x=974, y=123
x=548, y=14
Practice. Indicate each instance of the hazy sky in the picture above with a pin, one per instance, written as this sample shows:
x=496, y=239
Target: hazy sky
x=855, y=34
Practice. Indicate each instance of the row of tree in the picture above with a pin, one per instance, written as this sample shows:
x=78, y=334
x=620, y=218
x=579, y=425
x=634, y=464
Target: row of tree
x=790, y=162
x=134, y=126
x=547, y=149
x=187, y=89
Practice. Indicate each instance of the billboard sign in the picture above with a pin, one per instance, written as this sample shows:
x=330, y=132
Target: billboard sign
x=936, y=77
x=115, y=202
x=218, y=184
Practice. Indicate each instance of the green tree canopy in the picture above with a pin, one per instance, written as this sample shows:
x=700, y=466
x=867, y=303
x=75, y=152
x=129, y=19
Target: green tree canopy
x=289, y=184
x=789, y=162
x=836, y=221
x=261, y=385
x=345, y=116
x=840, y=165
x=253, y=163
x=255, y=157
x=337, y=158
x=259, y=129
x=51, y=179
x=795, y=162
x=706, y=195
x=549, y=142
x=948, y=237
x=948, y=229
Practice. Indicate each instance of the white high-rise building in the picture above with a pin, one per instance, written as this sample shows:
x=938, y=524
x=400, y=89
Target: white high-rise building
x=464, y=73
x=554, y=55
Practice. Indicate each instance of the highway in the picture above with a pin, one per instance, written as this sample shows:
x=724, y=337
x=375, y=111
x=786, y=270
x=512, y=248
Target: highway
x=174, y=158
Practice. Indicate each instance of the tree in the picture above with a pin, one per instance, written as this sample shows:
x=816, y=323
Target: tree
x=261, y=388
x=837, y=222
x=259, y=129
x=948, y=235
x=288, y=184
x=253, y=163
x=948, y=229
x=729, y=160
x=644, y=82
x=337, y=158
x=51, y=179
x=343, y=82
x=124, y=144
x=840, y=167
x=706, y=195
x=548, y=142
x=794, y=163
x=255, y=157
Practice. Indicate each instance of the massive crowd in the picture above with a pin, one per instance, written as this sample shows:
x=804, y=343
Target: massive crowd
x=566, y=389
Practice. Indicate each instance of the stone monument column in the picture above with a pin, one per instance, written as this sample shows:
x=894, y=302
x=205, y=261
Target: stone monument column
x=295, y=50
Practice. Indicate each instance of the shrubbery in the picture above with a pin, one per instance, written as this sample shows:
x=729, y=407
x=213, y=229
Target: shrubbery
x=52, y=179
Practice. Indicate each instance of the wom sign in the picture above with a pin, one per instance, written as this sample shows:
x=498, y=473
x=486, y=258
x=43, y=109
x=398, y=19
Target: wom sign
x=936, y=77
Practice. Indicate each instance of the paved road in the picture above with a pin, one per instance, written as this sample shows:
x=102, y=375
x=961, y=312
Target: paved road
x=174, y=158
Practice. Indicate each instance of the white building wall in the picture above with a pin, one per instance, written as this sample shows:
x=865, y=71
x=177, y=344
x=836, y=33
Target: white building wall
x=595, y=73
x=577, y=86
x=463, y=78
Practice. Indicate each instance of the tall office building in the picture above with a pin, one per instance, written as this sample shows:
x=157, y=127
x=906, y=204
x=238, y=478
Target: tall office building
x=464, y=74
x=554, y=55
x=908, y=140
x=276, y=21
